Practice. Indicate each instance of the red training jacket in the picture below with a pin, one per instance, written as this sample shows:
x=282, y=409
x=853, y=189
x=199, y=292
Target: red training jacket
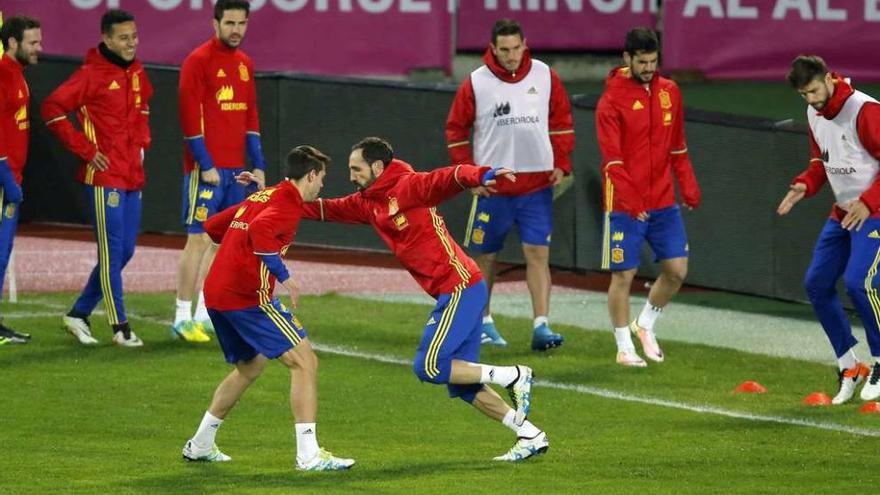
x=14, y=123
x=641, y=138
x=218, y=100
x=400, y=205
x=264, y=223
x=111, y=105
x=868, y=128
x=463, y=112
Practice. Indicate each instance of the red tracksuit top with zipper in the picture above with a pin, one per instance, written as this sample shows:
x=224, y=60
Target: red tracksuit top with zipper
x=14, y=122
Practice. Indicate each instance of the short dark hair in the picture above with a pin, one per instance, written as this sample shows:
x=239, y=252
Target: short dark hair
x=224, y=5
x=506, y=27
x=15, y=26
x=374, y=148
x=641, y=39
x=113, y=17
x=304, y=159
x=805, y=68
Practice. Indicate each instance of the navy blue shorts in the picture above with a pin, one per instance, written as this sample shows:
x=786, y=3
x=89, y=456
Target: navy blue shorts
x=624, y=235
x=201, y=200
x=492, y=218
x=270, y=330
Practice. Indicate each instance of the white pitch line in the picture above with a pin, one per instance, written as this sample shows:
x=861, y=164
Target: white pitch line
x=581, y=389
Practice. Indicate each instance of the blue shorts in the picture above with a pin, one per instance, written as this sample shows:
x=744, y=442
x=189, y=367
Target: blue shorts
x=452, y=332
x=492, y=218
x=624, y=235
x=201, y=200
x=269, y=330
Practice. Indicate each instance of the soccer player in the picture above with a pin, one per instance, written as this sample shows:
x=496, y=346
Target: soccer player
x=253, y=326
x=110, y=94
x=844, y=136
x=400, y=204
x=218, y=115
x=21, y=38
x=640, y=128
x=521, y=120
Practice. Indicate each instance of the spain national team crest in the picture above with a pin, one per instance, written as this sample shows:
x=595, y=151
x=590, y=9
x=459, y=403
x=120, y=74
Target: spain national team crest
x=113, y=199
x=478, y=236
x=401, y=222
x=9, y=211
x=617, y=255
x=665, y=99
x=243, y=73
x=393, y=208
x=201, y=213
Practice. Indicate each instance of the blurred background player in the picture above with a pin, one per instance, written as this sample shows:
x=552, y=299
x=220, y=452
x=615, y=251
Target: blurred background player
x=218, y=115
x=521, y=118
x=251, y=324
x=110, y=94
x=21, y=37
x=400, y=204
x=640, y=128
x=844, y=134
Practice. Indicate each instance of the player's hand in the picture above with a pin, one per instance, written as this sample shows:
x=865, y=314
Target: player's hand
x=857, y=213
x=259, y=176
x=796, y=193
x=643, y=216
x=689, y=207
x=245, y=178
x=490, y=178
x=100, y=162
x=293, y=291
x=480, y=191
x=210, y=177
x=556, y=176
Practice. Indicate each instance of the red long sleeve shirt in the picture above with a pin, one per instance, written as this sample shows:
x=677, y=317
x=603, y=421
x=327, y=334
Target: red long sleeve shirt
x=400, y=205
x=14, y=122
x=111, y=105
x=264, y=223
x=218, y=100
x=641, y=138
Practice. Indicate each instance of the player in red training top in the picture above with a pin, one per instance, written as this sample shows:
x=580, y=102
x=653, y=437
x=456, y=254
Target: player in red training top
x=252, y=325
x=400, y=204
x=218, y=115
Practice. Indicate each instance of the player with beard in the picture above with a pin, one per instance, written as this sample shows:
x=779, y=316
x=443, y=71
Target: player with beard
x=845, y=152
x=640, y=128
x=218, y=115
x=22, y=39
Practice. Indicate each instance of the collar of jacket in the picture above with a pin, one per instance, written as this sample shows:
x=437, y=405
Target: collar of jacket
x=505, y=75
x=114, y=58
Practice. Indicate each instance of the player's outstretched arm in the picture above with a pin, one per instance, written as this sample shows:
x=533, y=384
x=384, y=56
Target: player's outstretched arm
x=795, y=193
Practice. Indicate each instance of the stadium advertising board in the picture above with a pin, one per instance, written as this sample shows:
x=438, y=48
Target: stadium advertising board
x=757, y=39
x=382, y=37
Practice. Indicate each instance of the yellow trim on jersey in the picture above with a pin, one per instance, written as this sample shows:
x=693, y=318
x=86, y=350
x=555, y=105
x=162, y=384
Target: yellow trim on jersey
x=281, y=322
x=871, y=291
x=606, y=229
x=457, y=144
x=89, y=130
x=447, y=246
x=470, y=223
x=104, y=256
x=193, y=193
x=443, y=327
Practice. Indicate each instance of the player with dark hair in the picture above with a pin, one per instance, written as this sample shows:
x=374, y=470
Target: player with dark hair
x=251, y=324
x=22, y=38
x=218, y=115
x=844, y=136
x=110, y=94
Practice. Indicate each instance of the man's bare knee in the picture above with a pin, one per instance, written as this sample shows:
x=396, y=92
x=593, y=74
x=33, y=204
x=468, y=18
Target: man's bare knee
x=302, y=358
x=251, y=370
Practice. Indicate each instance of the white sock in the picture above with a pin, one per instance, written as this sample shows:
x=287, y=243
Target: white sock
x=183, y=311
x=201, y=310
x=527, y=430
x=306, y=441
x=648, y=316
x=847, y=361
x=541, y=320
x=204, y=437
x=497, y=375
x=624, y=339
x=488, y=319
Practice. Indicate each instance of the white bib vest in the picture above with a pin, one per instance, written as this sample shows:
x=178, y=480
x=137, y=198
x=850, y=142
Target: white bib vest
x=511, y=124
x=850, y=168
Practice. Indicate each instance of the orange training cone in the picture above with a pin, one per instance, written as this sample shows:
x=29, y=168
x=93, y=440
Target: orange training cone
x=872, y=407
x=817, y=399
x=750, y=387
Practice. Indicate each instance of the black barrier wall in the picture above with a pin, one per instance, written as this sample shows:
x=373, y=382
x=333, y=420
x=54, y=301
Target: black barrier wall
x=744, y=167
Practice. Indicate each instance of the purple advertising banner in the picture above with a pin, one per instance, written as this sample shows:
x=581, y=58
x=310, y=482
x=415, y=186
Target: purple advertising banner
x=757, y=39
x=556, y=24
x=356, y=37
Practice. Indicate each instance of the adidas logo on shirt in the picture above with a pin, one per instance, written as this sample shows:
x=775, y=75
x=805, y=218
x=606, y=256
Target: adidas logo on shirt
x=114, y=85
x=220, y=73
x=532, y=91
x=638, y=105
